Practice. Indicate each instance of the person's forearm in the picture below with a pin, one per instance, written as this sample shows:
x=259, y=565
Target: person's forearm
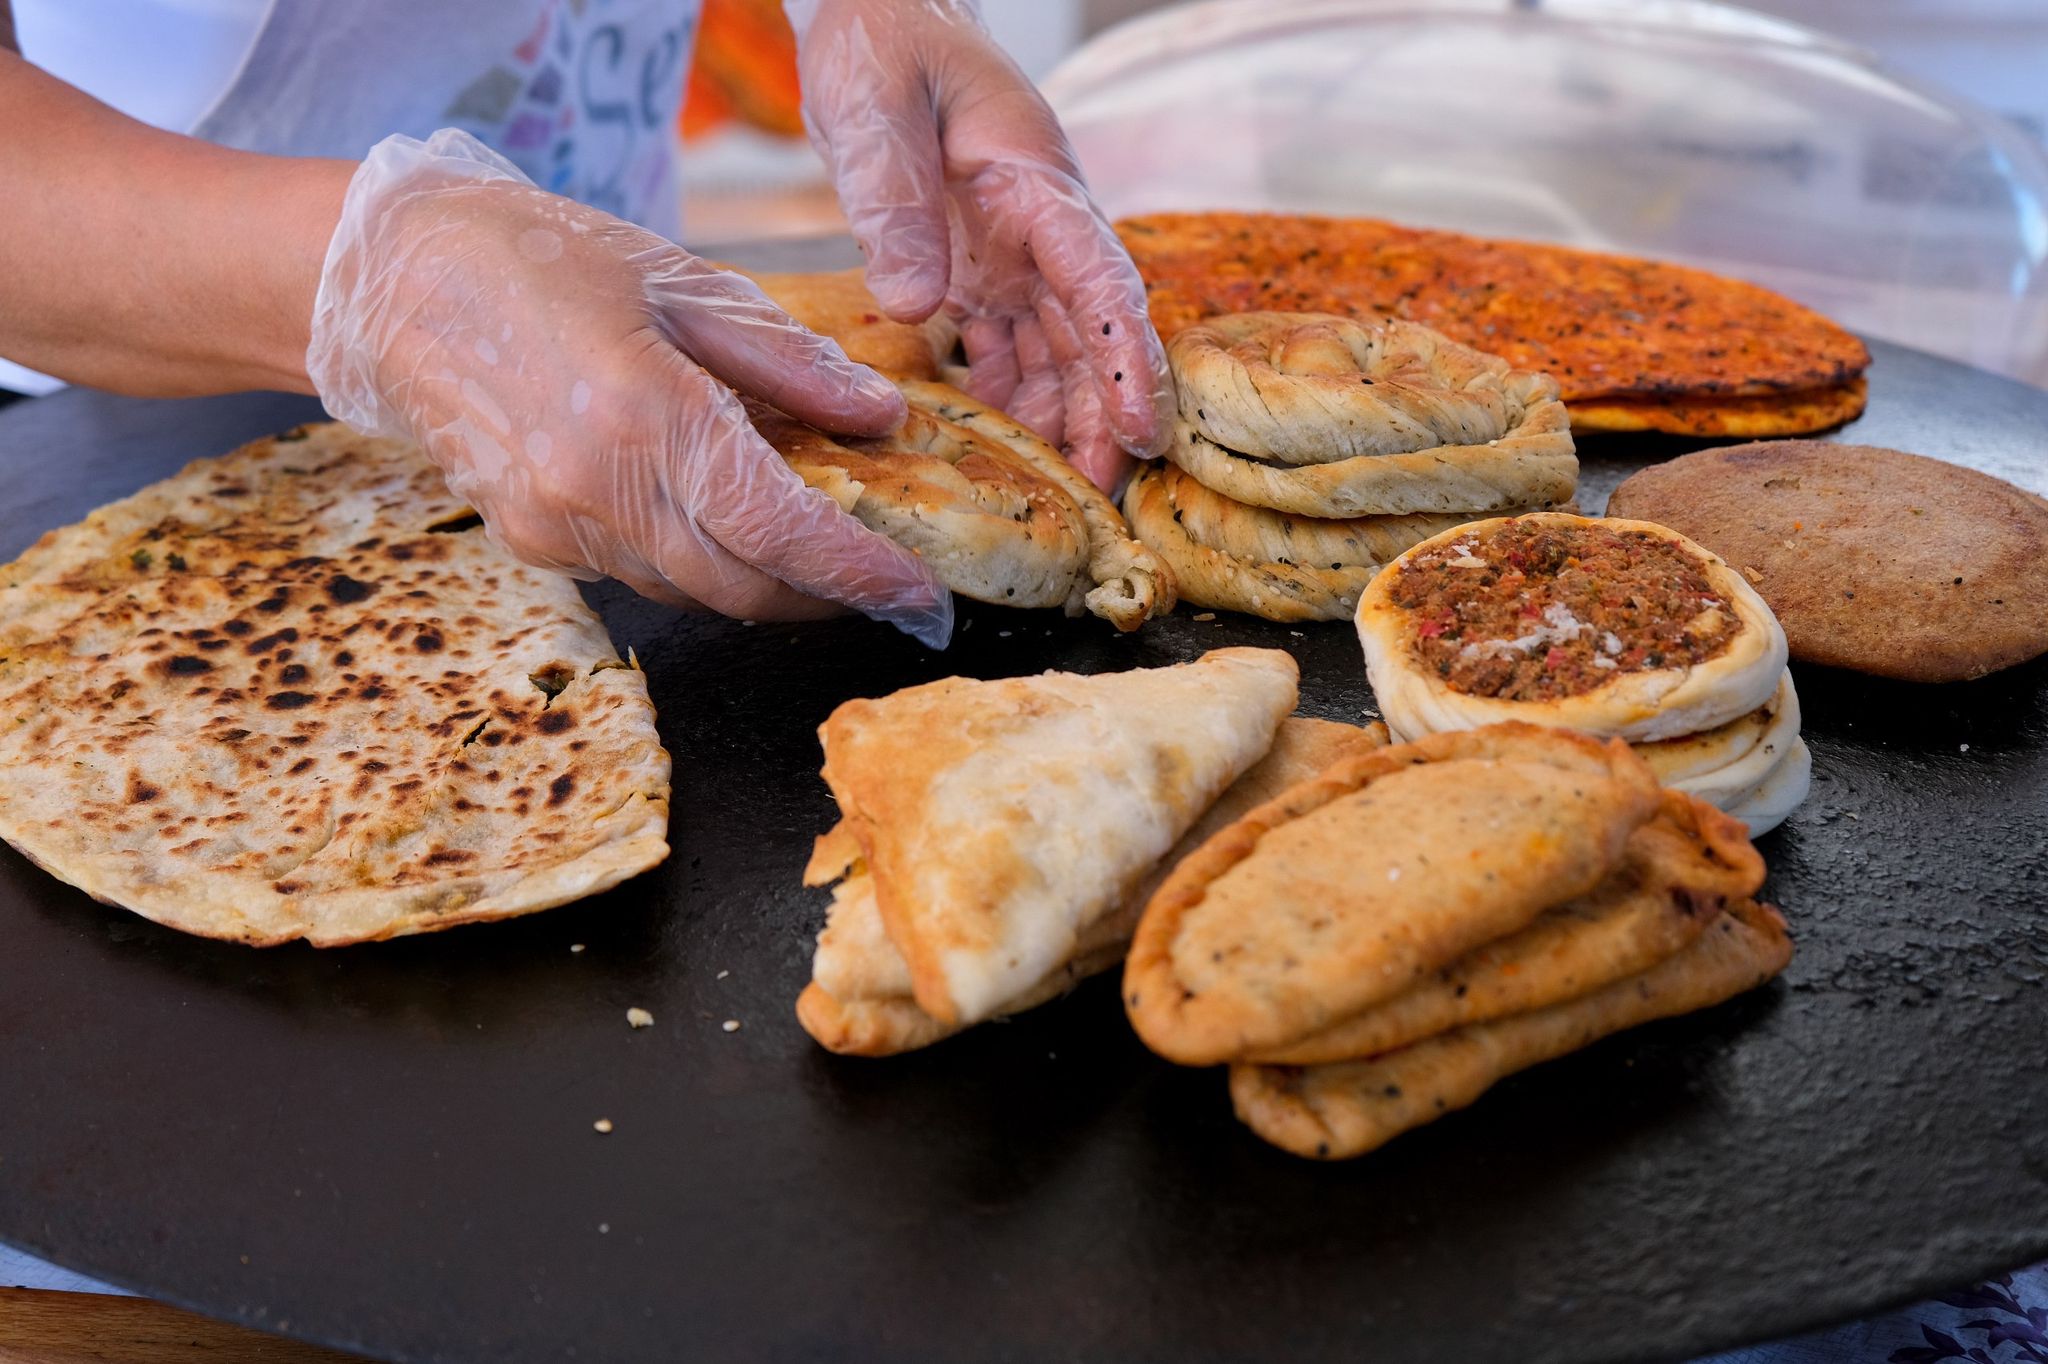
x=143, y=262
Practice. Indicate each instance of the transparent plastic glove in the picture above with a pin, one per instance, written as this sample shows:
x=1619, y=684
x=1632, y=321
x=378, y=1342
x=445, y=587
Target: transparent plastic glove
x=564, y=369
x=964, y=194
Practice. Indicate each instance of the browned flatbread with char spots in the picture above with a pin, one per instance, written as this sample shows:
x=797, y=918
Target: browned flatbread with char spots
x=287, y=694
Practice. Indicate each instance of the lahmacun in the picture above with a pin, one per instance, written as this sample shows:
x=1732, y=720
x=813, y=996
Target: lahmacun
x=1770, y=414
x=1604, y=326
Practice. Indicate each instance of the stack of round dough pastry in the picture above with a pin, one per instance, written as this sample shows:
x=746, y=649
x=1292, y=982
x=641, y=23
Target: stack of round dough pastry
x=1309, y=449
x=1622, y=629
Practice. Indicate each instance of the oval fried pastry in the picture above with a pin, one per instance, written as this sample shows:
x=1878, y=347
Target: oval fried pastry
x=1680, y=871
x=1349, y=889
x=1334, y=1112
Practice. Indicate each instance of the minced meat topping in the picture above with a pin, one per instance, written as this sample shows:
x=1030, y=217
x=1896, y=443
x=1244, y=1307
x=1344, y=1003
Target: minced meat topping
x=1534, y=612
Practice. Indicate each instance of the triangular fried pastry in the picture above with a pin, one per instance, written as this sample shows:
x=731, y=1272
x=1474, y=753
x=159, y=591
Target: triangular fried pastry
x=998, y=820
x=1680, y=871
x=860, y=1001
x=1337, y=1111
x=1355, y=886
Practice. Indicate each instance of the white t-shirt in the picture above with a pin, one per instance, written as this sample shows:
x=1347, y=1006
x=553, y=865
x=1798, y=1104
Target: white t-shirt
x=582, y=95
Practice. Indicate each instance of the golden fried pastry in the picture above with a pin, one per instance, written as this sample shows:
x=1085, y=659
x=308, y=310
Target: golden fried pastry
x=1677, y=873
x=990, y=526
x=1261, y=562
x=1345, y=1109
x=860, y=1001
x=1353, y=888
x=1538, y=469
x=994, y=823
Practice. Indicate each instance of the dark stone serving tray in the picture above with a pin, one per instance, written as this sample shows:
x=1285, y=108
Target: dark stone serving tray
x=390, y=1148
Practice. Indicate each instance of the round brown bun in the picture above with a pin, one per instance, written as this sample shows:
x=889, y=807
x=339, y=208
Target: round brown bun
x=1623, y=629
x=1873, y=559
x=1265, y=563
x=1336, y=417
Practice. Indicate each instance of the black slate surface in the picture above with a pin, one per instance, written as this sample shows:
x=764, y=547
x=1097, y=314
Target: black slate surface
x=391, y=1149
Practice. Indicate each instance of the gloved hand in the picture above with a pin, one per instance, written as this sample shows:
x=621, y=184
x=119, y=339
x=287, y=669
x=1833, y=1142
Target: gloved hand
x=963, y=192
x=563, y=369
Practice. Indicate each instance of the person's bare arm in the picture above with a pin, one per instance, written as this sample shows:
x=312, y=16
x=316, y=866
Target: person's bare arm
x=144, y=262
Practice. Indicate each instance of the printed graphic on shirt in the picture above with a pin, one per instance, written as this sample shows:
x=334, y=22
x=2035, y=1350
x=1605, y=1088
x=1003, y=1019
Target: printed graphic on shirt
x=587, y=104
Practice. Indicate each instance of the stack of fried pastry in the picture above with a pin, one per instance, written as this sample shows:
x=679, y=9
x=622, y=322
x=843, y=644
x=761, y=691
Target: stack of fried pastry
x=1310, y=449
x=1622, y=629
x=1634, y=344
x=997, y=839
x=1380, y=944
x=997, y=513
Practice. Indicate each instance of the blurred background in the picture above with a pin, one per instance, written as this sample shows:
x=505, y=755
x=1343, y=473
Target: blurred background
x=1882, y=160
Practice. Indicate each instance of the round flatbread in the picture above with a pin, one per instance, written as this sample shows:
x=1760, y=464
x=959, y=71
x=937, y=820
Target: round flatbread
x=1738, y=764
x=1313, y=388
x=294, y=692
x=1722, y=764
x=1783, y=789
x=1622, y=629
x=1265, y=563
x=838, y=304
x=1877, y=560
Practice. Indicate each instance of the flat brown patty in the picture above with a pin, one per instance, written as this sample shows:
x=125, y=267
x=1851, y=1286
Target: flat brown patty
x=1557, y=611
x=1873, y=559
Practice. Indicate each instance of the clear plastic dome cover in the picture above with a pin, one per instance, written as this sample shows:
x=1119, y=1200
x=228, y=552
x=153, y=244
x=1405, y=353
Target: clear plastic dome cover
x=1680, y=129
